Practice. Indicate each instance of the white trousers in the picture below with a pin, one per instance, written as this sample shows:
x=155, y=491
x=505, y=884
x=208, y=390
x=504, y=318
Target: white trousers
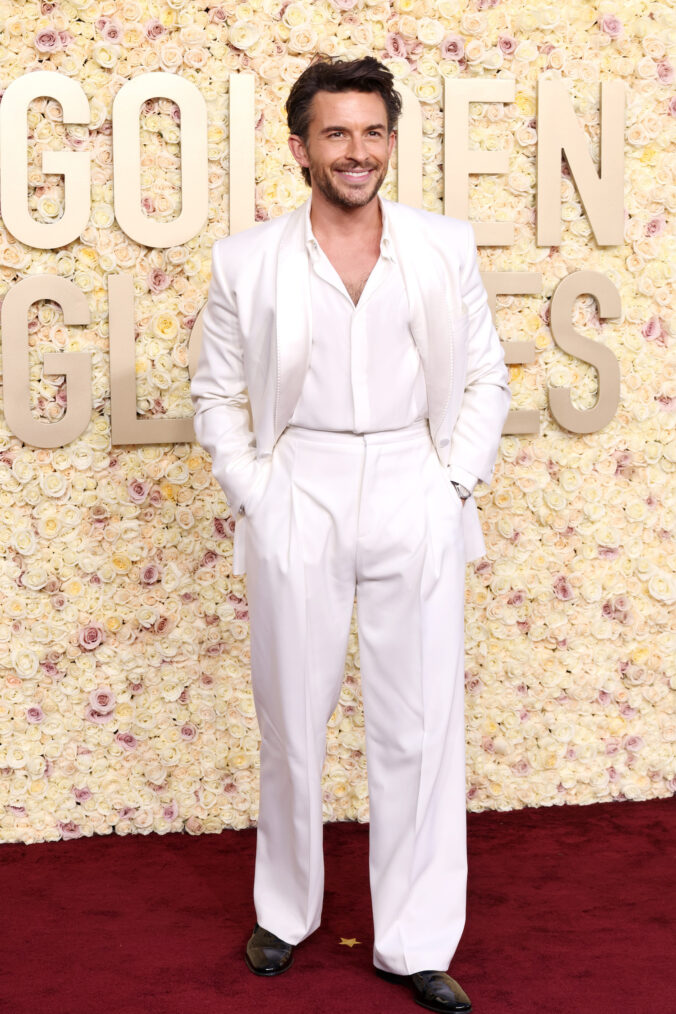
x=375, y=513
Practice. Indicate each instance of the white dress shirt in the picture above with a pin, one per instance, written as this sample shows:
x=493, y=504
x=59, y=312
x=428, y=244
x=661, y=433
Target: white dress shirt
x=365, y=373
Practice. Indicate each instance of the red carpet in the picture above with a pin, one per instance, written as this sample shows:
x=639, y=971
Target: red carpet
x=571, y=909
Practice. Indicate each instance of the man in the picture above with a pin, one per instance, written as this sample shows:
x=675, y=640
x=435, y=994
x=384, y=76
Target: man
x=351, y=390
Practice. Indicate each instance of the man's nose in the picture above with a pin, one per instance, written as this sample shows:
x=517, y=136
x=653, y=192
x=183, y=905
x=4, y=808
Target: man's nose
x=357, y=148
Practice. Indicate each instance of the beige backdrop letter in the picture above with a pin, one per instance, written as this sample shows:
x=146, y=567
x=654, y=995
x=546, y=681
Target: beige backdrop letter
x=242, y=180
x=602, y=193
x=460, y=160
x=127, y=160
x=72, y=165
x=126, y=427
x=589, y=351
x=76, y=366
x=515, y=283
x=409, y=149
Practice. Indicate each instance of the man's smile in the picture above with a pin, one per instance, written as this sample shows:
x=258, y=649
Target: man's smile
x=354, y=175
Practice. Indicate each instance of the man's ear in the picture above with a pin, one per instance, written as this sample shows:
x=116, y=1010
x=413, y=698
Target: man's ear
x=391, y=142
x=299, y=151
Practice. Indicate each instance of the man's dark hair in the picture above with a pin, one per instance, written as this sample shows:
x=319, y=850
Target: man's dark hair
x=334, y=75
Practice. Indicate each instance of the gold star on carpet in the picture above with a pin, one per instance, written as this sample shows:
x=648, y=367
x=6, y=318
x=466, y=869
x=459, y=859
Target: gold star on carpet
x=352, y=942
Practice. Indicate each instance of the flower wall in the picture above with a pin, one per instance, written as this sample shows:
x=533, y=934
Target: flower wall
x=125, y=701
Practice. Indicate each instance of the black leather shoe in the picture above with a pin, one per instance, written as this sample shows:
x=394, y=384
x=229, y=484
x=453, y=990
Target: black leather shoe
x=266, y=954
x=433, y=990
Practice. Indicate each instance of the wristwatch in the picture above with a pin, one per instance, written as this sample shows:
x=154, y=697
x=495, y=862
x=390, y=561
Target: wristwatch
x=461, y=490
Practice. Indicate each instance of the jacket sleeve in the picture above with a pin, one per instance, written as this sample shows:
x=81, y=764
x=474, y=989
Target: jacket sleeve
x=485, y=403
x=222, y=418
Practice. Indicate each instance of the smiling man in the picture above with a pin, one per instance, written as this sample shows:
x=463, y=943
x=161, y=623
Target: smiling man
x=351, y=390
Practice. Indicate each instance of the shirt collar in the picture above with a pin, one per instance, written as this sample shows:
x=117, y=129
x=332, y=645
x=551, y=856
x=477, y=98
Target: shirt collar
x=386, y=247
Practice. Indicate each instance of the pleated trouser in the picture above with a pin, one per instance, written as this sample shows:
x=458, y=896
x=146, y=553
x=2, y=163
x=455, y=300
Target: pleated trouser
x=375, y=513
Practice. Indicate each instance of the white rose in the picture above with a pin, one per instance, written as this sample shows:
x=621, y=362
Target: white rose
x=25, y=662
x=430, y=32
x=245, y=34
x=662, y=587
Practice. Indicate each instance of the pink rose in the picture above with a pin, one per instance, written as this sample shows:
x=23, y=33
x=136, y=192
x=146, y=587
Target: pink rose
x=82, y=794
x=150, y=574
x=126, y=740
x=507, y=44
x=154, y=29
x=395, y=45
x=562, y=588
x=111, y=30
x=611, y=25
x=672, y=106
x=70, y=830
x=188, y=732
x=91, y=636
x=162, y=625
x=652, y=329
x=34, y=714
x=97, y=717
x=665, y=72
x=452, y=48
x=655, y=226
x=217, y=15
x=170, y=811
x=138, y=490
x=608, y=552
x=158, y=280
x=102, y=700
x=48, y=41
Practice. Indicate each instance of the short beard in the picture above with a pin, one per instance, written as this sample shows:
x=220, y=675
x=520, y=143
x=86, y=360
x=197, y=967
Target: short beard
x=334, y=196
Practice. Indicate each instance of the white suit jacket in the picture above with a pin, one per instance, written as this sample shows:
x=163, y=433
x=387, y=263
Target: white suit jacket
x=257, y=338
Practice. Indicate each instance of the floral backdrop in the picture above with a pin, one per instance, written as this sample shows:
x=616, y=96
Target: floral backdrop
x=125, y=701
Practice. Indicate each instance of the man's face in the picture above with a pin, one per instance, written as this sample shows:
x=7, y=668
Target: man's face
x=347, y=149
